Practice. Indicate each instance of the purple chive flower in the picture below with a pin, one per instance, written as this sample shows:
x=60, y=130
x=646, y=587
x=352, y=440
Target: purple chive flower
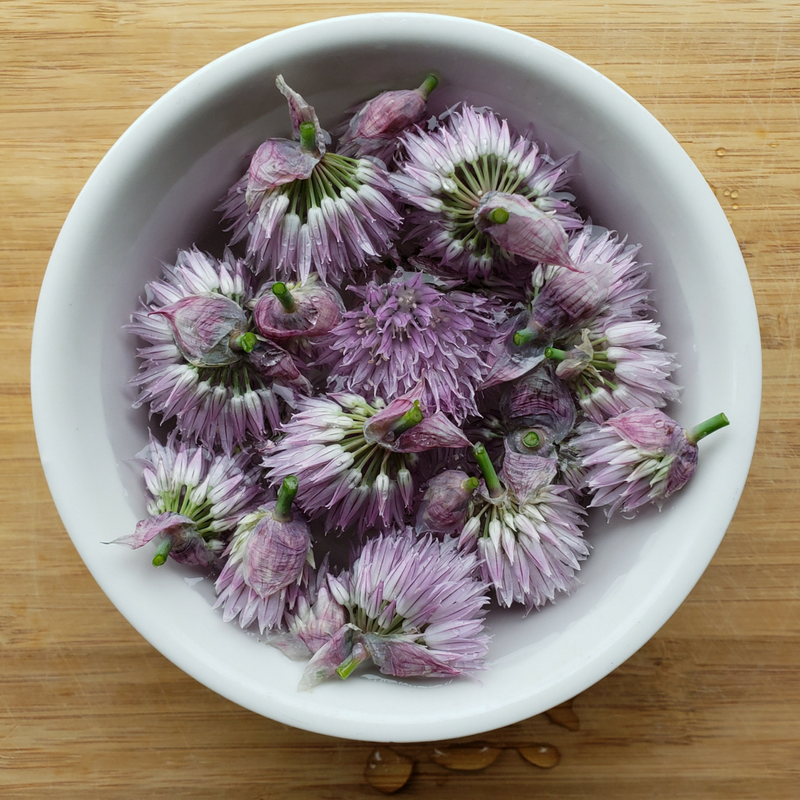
x=627, y=296
x=195, y=500
x=410, y=331
x=617, y=368
x=375, y=128
x=448, y=171
x=607, y=283
x=444, y=507
x=354, y=458
x=306, y=310
x=527, y=530
x=641, y=456
x=304, y=209
x=268, y=559
x=201, y=367
x=415, y=609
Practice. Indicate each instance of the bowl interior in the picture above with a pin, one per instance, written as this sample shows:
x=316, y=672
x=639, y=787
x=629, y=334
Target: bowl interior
x=157, y=190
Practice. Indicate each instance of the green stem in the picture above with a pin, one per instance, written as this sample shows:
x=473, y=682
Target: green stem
x=704, y=428
x=499, y=216
x=470, y=484
x=162, y=552
x=283, y=294
x=348, y=666
x=428, y=85
x=308, y=136
x=493, y=485
x=524, y=335
x=531, y=439
x=244, y=342
x=555, y=353
x=286, y=494
x=411, y=418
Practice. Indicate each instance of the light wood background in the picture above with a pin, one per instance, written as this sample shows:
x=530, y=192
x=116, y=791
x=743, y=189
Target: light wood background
x=709, y=708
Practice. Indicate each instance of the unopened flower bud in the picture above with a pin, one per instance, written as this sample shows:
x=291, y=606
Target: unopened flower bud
x=445, y=504
x=374, y=129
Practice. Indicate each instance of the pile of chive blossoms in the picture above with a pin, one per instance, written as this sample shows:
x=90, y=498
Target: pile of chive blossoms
x=415, y=344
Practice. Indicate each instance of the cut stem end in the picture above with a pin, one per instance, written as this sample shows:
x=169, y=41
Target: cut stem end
x=709, y=426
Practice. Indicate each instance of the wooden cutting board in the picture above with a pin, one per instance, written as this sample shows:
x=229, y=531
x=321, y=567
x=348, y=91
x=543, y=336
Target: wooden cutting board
x=709, y=708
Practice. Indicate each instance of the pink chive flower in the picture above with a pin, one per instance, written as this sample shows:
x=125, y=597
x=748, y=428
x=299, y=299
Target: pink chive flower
x=526, y=529
x=268, y=559
x=375, y=128
x=302, y=209
x=641, y=456
x=202, y=366
x=410, y=331
x=617, y=368
x=446, y=173
x=606, y=284
x=414, y=609
x=354, y=458
x=628, y=296
x=195, y=500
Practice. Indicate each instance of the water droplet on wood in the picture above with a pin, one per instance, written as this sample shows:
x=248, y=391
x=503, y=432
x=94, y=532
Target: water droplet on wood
x=735, y=206
x=720, y=151
x=545, y=756
x=466, y=757
x=564, y=716
x=734, y=193
x=727, y=193
x=387, y=770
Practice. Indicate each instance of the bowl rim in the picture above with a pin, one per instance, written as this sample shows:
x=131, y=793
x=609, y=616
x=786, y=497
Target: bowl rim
x=53, y=441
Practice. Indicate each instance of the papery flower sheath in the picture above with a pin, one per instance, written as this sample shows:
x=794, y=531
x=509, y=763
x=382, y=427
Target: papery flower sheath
x=202, y=366
x=446, y=173
x=527, y=530
x=195, y=500
x=301, y=208
x=354, y=458
x=414, y=609
x=641, y=456
x=537, y=412
x=268, y=559
x=375, y=127
x=519, y=227
x=411, y=331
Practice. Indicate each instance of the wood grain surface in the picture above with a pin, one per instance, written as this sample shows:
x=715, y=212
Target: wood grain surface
x=709, y=708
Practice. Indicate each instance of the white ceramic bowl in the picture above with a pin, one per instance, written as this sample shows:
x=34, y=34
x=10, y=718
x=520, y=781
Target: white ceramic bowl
x=153, y=193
